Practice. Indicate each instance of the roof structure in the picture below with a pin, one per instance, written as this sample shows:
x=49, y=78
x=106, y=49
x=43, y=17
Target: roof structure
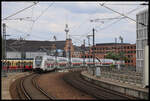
x=112, y=44
x=33, y=45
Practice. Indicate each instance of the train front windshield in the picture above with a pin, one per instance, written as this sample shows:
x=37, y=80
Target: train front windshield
x=38, y=60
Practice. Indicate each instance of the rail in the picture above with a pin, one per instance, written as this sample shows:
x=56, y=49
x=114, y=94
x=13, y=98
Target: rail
x=24, y=84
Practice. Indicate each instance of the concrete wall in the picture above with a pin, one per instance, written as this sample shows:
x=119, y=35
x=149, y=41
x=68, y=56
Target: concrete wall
x=128, y=91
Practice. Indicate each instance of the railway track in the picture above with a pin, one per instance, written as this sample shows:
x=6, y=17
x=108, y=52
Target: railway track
x=27, y=88
x=96, y=91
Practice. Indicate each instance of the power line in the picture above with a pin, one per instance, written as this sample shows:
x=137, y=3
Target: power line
x=40, y=15
x=44, y=11
x=84, y=21
x=117, y=12
x=121, y=14
x=30, y=30
x=20, y=11
x=120, y=18
x=25, y=18
x=128, y=4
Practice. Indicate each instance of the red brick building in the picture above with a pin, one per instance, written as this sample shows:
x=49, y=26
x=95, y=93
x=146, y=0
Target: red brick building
x=102, y=49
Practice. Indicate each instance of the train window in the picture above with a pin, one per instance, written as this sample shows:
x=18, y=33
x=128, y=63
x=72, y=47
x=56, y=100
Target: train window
x=26, y=63
x=18, y=64
x=134, y=47
x=62, y=60
x=38, y=58
x=50, y=59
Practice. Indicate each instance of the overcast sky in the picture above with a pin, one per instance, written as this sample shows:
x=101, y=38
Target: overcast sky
x=77, y=15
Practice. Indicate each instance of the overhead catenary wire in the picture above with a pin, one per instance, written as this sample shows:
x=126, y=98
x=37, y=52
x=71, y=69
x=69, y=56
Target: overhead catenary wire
x=44, y=11
x=20, y=11
x=121, y=14
x=83, y=22
x=39, y=16
x=25, y=19
x=32, y=14
x=120, y=18
x=128, y=4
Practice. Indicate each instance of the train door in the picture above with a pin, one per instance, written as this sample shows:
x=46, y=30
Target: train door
x=26, y=64
x=31, y=64
x=22, y=64
x=8, y=63
x=19, y=64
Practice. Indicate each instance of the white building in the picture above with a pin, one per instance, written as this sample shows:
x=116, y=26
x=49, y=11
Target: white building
x=141, y=38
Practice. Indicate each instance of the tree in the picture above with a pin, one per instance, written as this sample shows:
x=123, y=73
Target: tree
x=116, y=56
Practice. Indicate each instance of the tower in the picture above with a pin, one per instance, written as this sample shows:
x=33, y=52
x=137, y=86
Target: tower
x=67, y=30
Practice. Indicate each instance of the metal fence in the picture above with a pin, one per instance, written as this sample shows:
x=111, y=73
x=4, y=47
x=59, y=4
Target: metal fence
x=125, y=75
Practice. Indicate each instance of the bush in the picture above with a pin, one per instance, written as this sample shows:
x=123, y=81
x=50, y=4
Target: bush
x=112, y=66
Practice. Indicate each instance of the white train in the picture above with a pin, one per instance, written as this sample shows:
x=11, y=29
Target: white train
x=44, y=63
x=50, y=63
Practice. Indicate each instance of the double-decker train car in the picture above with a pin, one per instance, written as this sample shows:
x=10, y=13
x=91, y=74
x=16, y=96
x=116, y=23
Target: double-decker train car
x=44, y=63
x=89, y=62
x=62, y=62
x=17, y=63
x=76, y=62
x=107, y=62
x=49, y=63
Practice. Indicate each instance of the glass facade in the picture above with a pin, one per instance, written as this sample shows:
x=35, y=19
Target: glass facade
x=141, y=38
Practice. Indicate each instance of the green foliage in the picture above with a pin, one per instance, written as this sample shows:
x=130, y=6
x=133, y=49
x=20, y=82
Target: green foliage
x=112, y=66
x=116, y=56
